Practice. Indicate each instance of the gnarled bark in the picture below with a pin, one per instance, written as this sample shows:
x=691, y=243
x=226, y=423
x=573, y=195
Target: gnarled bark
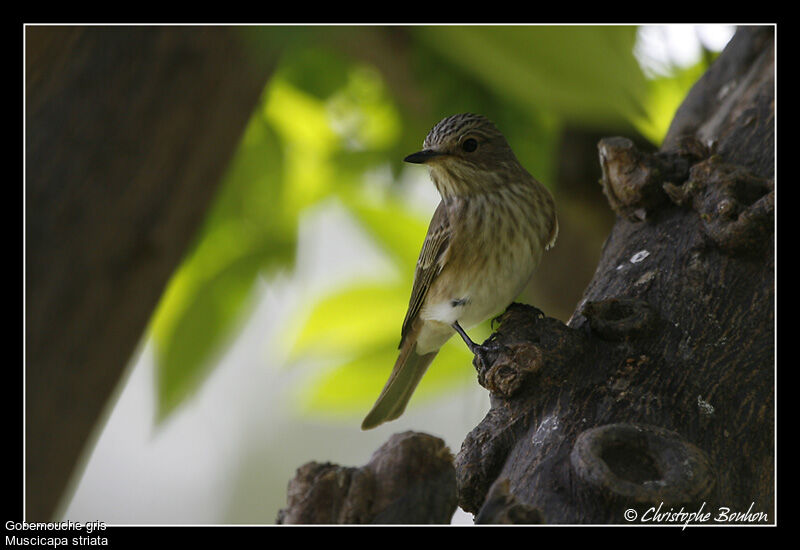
x=410, y=479
x=659, y=390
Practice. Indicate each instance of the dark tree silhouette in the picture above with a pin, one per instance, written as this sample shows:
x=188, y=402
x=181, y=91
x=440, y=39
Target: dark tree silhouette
x=128, y=131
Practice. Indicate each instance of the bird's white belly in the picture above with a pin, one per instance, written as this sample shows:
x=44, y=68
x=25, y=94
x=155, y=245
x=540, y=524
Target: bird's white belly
x=486, y=294
x=478, y=305
x=483, y=302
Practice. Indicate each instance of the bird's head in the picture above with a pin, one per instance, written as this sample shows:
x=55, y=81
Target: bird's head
x=465, y=153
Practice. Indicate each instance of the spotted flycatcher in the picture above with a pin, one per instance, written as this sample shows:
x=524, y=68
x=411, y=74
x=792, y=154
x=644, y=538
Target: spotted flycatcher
x=485, y=239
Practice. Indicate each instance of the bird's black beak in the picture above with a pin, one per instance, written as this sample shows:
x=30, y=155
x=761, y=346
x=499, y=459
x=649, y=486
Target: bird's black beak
x=422, y=157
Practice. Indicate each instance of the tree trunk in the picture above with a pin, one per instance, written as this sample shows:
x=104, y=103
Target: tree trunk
x=658, y=394
x=659, y=390
x=128, y=132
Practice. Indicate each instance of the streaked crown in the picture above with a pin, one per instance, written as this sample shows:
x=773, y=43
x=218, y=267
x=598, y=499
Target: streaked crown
x=469, y=150
x=458, y=126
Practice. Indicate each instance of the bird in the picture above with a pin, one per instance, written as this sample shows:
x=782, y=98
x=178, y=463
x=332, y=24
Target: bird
x=486, y=237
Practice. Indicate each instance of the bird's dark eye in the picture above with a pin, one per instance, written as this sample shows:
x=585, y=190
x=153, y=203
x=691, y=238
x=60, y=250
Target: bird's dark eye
x=469, y=145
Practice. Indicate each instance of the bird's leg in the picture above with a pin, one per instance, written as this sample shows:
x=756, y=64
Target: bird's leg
x=486, y=354
x=473, y=347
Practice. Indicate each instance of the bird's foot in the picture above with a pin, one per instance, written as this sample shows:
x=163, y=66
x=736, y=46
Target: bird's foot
x=486, y=355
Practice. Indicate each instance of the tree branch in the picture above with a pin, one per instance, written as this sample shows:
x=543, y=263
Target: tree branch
x=410, y=479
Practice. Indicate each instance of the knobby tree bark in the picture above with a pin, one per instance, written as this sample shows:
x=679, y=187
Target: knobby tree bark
x=660, y=388
x=128, y=131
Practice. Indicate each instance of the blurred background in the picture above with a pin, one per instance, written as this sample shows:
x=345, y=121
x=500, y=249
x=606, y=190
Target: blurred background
x=280, y=327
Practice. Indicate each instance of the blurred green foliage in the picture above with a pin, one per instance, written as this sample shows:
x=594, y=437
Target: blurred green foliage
x=326, y=121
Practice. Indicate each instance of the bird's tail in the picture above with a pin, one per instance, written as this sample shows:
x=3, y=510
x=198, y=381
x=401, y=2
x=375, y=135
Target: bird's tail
x=406, y=374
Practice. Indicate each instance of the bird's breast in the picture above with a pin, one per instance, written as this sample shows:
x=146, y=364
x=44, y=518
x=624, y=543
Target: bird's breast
x=491, y=259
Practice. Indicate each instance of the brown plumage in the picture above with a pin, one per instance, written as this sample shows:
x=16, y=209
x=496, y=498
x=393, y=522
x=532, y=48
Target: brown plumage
x=485, y=239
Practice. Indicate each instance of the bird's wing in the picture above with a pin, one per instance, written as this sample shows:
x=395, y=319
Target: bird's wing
x=429, y=265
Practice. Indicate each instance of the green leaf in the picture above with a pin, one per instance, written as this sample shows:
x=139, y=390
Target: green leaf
x=204, y=303
x=351, y=388
x=353, y=320
x=665, y=95
x=186, y=347
x=302, y=121
x=316, y=71
x=246, y=232
x=391, y=223
x=580, y=73
x=362, y=112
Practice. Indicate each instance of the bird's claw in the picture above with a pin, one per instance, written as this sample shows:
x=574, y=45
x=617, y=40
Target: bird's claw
x=486, y=355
